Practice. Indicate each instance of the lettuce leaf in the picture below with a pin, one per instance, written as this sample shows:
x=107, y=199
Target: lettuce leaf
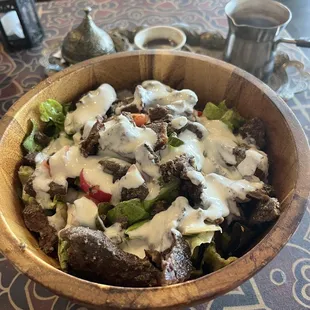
x=220, y=112
x=196, y=240
x=212, y=111
x=52, y=110
x=63, y=254
x=222, y=106
x=131, y=211
x=174, y=141
x=214, y=260
x=135, y=226
x=24, y=173
x=29, y=143
x=169, y=192
x=52, y=113
x=232, y=119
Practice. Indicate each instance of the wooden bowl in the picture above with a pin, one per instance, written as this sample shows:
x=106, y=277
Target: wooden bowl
x=212, y=80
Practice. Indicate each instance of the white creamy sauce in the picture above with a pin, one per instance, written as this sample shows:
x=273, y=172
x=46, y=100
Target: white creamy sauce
x=132, y=179
x=192, y=146
x=145, y=162
x=68, y=163
x=58, y=220
x=218, y=148
x=41, y=182
x=82, y=212
x=115, y=232
x=220, y=193
x=157, y=233
x=124, y=137
x=95, y=176
x=96, y=102
x=87, y=127
x=154, y=189
x=77, y=137
x=41, y=157
x=254, y=159
x=212, y=153
x=57, y=144
x=179, y=122
x=152, y=93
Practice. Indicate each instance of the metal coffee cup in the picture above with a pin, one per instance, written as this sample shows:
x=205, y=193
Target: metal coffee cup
x=254, y=29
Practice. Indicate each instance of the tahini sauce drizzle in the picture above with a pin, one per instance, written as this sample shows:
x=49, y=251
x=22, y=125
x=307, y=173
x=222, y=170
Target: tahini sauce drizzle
x=94, y=103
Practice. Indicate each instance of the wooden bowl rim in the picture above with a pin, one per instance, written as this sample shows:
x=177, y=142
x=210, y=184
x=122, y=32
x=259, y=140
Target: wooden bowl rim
x=193, y=291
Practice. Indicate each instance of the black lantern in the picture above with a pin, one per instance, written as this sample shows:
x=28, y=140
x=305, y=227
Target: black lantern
x=29, y=31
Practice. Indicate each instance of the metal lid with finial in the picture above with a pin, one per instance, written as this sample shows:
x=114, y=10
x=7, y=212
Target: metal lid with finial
x=86, y=41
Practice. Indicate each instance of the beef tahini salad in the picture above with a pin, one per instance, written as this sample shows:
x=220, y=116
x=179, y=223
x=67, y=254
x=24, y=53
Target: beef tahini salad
x=140, y=189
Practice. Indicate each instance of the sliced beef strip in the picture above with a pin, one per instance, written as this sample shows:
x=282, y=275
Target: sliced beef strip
x=93, y=254
x=176, y=167
x=159, y=113
x=239, y=153
x=29, y=160
x=125, y=105
x=265, y=211
x=193, y=127
x=191, y=191
x=89, y=146
x=28, y=188
x=57, y=189
x=42, y=139
x=115, y=168
x=160, y=129
x=253, y=131
x=259, y=194
x=159, y=206
x=269, y=190
x=176, y=264
x=130, y=193
x=36, y=221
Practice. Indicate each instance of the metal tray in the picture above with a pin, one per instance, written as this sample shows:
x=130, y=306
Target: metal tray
x=288, y=78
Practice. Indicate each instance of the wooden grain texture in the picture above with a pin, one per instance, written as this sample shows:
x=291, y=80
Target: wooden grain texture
x=212, y=80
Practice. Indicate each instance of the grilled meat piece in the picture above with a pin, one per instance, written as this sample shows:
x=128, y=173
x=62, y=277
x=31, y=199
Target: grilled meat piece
x=130, y=193
x=57, y=189
x=36, y=221
x=265, y=211
x=114, y=167
x=159, y=113
x=176, y=167
x=42, y=139
x=160, y=129
x=253, y=131
x=91, y=253
x=29, y=160
x=89, y=146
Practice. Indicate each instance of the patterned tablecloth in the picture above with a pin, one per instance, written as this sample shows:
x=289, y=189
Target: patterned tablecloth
x=282, y=285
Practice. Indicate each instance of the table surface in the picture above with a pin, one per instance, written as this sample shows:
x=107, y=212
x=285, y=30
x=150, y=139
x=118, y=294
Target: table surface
x=285, y=282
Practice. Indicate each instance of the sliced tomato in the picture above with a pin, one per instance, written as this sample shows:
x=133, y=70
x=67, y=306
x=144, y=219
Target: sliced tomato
x=83, y=183
x=93, y=192
x=92, y=199
x=46, y=165
x=99, y=195
x=140, y=119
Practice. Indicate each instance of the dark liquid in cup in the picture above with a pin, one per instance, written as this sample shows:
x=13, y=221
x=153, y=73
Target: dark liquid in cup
x=160, y=44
